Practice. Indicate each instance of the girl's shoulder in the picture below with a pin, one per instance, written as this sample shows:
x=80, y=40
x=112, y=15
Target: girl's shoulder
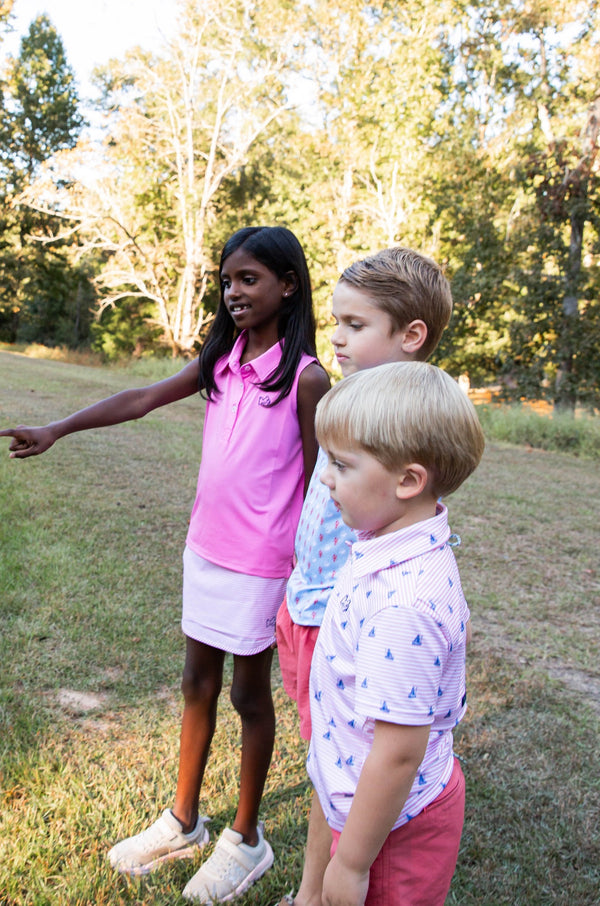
x=314, y=377
x=313, y=383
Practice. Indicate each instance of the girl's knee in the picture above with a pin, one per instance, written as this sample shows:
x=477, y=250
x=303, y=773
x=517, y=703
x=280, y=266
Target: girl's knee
x=202, y=673
x=197, y=685
x=250, y=702
x=251, y=687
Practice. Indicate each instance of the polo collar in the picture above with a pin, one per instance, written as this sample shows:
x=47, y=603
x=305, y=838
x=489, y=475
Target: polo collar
x=369, y=555
x=263, y=366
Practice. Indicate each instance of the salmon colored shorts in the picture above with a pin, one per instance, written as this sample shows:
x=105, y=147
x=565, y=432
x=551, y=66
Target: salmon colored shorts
x=417, y=861
x=295, y=645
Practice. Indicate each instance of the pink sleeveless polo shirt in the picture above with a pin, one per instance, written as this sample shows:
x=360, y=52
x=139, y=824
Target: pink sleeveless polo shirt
x=251, y=480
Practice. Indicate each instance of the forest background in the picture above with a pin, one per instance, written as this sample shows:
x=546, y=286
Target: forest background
x=467, y=130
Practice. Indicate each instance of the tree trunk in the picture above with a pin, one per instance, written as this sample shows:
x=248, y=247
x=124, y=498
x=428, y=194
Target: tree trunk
x=576, y=183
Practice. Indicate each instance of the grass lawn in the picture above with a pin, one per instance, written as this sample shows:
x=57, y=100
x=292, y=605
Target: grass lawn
x=91, y=538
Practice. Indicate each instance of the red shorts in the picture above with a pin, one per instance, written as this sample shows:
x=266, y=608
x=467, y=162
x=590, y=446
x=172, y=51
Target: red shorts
x=295, y=645
x=417, y=861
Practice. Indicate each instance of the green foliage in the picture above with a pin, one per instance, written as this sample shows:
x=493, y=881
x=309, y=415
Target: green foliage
x=40, y=108
x=561, y=432
x=45, y=296
x=126, y=330
x=468, y=131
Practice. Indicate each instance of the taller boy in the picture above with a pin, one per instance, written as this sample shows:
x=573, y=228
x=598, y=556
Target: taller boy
x=390, y=307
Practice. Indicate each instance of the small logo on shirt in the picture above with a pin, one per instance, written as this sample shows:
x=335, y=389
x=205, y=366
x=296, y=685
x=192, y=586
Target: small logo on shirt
x=264, y=401
x=345, y=603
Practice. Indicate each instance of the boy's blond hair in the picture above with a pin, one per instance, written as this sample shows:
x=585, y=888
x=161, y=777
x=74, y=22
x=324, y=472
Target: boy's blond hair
x=408, y=286
x=402, y=413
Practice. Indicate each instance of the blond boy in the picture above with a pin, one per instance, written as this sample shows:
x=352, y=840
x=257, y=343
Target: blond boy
x=388, y=671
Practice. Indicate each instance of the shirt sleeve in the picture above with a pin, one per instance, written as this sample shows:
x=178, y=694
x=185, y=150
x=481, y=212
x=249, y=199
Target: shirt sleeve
x=399, y=664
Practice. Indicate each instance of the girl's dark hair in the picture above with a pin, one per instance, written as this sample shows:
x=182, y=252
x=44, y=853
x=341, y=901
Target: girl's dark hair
x=278, y=249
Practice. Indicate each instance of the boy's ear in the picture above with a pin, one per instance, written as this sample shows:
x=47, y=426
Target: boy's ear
x=414, y=336
x=412, y=481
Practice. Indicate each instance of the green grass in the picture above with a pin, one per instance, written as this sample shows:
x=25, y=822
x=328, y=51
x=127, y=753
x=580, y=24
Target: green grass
x=91, y=539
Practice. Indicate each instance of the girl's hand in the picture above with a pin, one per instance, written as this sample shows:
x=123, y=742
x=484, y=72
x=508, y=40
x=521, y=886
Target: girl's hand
x=344, y=885
x=28, y=441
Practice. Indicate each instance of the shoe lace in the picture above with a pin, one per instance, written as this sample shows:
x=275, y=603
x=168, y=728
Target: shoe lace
x=223, y=864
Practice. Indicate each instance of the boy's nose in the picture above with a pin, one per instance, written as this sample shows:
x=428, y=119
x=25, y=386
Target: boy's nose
x=337, y=338
x=326, y=477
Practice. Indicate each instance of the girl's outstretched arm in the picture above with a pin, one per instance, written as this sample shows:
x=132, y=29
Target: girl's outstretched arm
x=122, y=407
x=313, y=384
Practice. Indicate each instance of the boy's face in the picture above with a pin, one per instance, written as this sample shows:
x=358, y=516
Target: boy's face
x=364, y=334
x=363, y=490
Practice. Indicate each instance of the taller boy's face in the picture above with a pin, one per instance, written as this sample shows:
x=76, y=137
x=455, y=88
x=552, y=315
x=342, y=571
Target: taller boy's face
x=363, y=336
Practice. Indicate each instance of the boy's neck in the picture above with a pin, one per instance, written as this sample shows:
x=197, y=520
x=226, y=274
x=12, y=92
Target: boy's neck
x=417, y=509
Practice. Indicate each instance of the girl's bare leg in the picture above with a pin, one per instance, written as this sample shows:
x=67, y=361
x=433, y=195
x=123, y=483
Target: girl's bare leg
x=252, y=699
x=201, y=685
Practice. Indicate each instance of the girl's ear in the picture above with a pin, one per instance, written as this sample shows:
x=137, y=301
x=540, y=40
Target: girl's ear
x=290, y=281
x=412, y=481
x=414, y=336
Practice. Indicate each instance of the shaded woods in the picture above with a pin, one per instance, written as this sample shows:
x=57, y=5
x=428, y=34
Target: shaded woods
x=465, y=130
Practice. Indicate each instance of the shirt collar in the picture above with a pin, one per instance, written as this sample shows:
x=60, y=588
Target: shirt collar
x=263, y=366
x=369, y=555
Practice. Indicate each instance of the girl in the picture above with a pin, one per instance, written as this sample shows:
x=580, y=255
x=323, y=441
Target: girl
x=259, y=372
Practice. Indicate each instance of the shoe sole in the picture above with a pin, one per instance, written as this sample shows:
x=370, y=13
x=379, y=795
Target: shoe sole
x=257, y=872
x=188, y=853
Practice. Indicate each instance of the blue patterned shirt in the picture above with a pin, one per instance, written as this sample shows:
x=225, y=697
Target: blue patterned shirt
x=321, y=551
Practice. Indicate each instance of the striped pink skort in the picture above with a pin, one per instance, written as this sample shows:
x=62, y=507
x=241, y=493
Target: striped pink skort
x=231, y=611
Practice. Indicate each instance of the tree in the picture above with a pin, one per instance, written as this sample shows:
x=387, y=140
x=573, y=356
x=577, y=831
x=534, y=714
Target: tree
x=530, y=82
x=351, y=173
x=467, y=130
x=178, y=127
x=41, y=111
x=6, y=7
x=39, y=115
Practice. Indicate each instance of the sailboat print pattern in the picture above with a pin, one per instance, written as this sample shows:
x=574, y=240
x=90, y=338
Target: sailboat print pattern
x=391, y=647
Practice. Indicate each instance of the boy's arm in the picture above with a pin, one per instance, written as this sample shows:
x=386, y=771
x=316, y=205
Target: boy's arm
x=122, y=407
x=316, y=856
x=383, y=787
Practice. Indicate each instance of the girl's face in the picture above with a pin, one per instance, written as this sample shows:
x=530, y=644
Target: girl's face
x=251, y=292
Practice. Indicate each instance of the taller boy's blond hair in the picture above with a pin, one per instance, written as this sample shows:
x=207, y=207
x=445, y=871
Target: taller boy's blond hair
x=408, y=286
x=401, y=413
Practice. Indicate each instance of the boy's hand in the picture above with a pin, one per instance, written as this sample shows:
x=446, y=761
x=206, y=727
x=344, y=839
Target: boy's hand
x=343, y=885
x=28, y=441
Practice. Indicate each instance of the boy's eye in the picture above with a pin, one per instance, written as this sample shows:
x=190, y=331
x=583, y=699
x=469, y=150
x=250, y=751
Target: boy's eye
x=340, y=466
x=356, y=325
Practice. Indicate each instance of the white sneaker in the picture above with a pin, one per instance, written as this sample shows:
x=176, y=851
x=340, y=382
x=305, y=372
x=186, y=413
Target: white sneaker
x=161, y=841
x=232, y=868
